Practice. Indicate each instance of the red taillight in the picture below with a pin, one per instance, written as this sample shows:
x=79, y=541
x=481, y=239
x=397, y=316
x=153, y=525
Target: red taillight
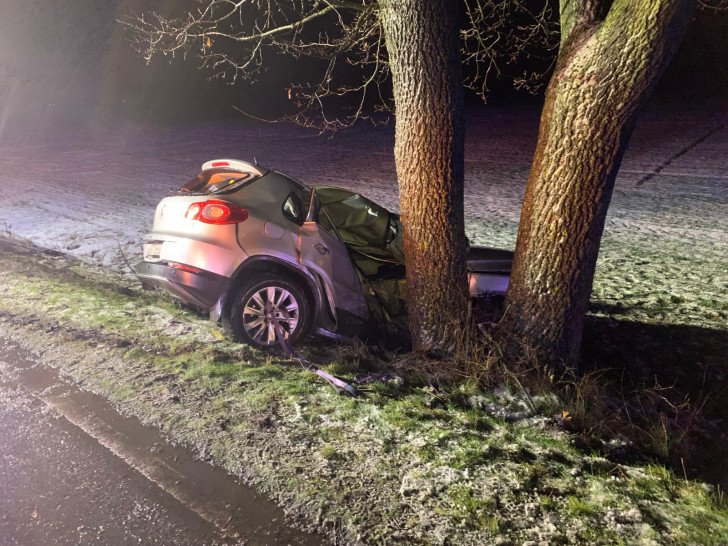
x=193, y=212
x=183, y=267
x=220, y=164
x=216, y=212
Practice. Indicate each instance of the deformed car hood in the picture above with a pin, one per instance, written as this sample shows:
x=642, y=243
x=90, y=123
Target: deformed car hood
x=362, y=224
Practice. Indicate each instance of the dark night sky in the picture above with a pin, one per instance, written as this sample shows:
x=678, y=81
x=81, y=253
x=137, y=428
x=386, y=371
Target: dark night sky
x=68, y=61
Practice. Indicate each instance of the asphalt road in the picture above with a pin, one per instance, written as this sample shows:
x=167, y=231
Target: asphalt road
x=73, y=471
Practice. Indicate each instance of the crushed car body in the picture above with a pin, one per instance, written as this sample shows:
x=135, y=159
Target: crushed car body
x=260, y=250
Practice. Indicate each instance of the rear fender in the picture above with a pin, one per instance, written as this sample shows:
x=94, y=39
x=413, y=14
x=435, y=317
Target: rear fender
x=261, y=266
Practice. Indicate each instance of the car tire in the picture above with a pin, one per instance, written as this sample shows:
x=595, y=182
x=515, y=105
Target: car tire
x=251, y=313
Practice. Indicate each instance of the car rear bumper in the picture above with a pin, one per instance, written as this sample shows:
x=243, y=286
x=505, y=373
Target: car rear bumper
x=200, y=289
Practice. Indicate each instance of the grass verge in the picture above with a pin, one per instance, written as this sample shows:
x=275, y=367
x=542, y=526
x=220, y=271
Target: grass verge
x=401, y=464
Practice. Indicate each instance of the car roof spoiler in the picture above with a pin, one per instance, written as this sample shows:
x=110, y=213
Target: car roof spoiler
x=234, y=165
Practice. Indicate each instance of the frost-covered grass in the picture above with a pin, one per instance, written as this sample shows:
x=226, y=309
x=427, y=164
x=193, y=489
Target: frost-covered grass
x=403, y=463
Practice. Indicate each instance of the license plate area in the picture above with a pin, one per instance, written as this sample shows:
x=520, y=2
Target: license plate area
x=152, y=251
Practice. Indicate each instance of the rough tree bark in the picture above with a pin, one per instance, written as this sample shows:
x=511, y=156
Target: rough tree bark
x=612, y=53
x=422, y=44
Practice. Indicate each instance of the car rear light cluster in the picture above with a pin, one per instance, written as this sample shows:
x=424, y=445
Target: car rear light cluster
x=183, y=267
x=213, y=211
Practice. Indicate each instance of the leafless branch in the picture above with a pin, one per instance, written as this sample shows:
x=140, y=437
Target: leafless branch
x=501, y=35
x=233, y=38
x=714, y=5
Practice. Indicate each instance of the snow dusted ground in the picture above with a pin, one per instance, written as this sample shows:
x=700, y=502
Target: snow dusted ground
x=92, y=195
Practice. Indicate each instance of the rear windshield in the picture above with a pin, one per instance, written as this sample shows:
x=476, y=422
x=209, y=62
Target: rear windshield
x=216, y=181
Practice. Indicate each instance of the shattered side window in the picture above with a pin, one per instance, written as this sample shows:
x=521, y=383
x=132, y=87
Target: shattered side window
x=362, y=225
x=293, y=209
x=358, y=220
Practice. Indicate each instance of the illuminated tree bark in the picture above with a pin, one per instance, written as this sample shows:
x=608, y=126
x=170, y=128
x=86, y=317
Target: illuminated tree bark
x=612, y=53
x=422, y=43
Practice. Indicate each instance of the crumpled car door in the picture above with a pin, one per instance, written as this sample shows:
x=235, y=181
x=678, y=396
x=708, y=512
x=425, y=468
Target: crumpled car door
x=326, y=255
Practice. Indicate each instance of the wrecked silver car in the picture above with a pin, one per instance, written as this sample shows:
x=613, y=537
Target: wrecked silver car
x=261, y=251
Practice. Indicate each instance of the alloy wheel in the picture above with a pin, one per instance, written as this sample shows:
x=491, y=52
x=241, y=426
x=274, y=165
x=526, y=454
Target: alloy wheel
x=265, y=305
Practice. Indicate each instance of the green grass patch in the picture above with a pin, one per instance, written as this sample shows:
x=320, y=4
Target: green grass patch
x=473, y=510
x=580, y=507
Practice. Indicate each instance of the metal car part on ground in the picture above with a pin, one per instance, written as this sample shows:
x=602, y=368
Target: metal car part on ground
x=255, y=247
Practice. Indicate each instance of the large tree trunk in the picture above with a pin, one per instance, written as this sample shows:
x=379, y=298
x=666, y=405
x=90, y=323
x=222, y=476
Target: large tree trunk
x=422, y=44
x=609, y=60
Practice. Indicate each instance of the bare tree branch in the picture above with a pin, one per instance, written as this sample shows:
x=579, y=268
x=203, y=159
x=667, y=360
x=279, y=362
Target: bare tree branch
x=503, y=34
x=713, y=5
x=232, y=39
